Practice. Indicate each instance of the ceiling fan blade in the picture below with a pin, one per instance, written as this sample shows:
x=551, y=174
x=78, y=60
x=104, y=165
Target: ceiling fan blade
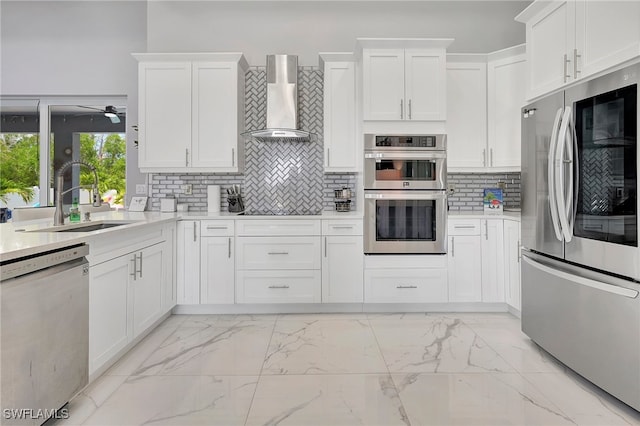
x=93, y=108
x=114, y=119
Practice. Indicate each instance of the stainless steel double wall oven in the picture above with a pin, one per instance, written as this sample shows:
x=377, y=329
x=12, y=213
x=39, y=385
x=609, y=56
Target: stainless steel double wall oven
x=405, y=180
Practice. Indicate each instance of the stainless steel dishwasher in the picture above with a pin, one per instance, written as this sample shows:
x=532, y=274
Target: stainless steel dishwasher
x=45, y=334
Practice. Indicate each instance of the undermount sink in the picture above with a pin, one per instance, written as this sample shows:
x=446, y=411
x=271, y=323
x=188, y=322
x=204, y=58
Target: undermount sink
x=83, y=227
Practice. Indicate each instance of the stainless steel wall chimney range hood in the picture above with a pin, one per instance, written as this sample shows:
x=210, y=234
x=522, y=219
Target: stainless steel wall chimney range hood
x=282, y=102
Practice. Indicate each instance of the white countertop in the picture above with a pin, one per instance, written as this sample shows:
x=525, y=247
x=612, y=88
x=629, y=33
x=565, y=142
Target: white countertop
x=327, y=214
x=509, y=214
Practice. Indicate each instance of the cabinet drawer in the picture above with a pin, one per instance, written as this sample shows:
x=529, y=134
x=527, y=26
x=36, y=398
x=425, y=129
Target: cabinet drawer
x=342, y=227
x=216, y=228
x=405, y=286
x=464, y=226
x=301, y=286
x=278, y=227
x=278, y=253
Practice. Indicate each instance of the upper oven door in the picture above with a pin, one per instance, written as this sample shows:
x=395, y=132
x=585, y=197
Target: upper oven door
x=405, y=170
x=405, y=222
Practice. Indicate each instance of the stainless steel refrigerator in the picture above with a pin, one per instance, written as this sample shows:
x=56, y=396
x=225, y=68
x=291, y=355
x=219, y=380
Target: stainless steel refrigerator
x=581, y=262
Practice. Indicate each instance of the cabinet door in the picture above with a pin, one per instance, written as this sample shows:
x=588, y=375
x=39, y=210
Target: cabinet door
x=188, y=262
x=147, y=286
x=465, y=268
x=506, y=95
x=383, y=84
x=550, y=36
x=607, y=34
x=342, y=269
x=215, y=115
x=425, y=84
x=217, y=273
x=169, y=295
x=341, y=153
x=466, y=115
x=512, y=262
x=108, y=330
x=164, y=122
x=492, y=247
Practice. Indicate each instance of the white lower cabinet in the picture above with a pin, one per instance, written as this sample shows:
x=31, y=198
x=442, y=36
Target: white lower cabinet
x=126, y=292
x=492, y=260
x=279, y=286
x=217, y=262
x=188, y=262
x=512, y=263
x=342, y=262
x=405, y=285
x=465, y=268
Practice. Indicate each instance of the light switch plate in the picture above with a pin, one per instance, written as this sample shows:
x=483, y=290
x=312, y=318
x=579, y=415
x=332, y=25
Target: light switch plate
x=141, y=189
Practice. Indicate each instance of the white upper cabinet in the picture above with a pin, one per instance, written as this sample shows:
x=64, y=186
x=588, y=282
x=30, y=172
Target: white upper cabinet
x=484, y=97
x=191, y=112
x=341, y=147
x=404, y=79
x=570, y=40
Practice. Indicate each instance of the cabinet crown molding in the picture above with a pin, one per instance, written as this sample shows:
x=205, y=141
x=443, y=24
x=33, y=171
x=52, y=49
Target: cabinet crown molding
x=403, y=43
x=335, y=57
x=194, y=56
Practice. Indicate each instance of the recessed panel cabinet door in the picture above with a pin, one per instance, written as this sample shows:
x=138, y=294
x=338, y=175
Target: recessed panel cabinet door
x=341, y=153
x=164, y=122
x=215, y=114
x=147, y=287
x=465, y=268
x=217, y=270
x=383, y=81
x=425, y=85
x=342, y=269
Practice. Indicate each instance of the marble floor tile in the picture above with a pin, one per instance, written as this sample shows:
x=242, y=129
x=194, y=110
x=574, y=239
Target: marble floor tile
x=517, y=348
x=584, y=402
x=203, y=321
x=238, y=348
x=433, y=345
x=322, y=400
x=323, y=347
x=178, y=400
x=322, y=317
x=475, y=399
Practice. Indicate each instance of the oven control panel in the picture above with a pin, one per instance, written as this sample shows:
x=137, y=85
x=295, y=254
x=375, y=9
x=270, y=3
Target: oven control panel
x=405, y=142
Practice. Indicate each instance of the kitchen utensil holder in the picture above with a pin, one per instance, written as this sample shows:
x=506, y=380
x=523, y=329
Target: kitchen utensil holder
x=343, y=202
x=343, y=206
x=235, y=203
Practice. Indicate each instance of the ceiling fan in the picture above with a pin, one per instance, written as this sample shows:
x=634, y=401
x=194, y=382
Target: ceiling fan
x=109, y=111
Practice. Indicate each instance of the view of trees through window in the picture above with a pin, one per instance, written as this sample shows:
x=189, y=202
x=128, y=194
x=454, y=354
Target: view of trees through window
x=20, y=168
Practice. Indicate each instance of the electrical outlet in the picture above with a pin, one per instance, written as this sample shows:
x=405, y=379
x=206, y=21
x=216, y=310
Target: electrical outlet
x=141, y=189
x=188, y=189
x=451, y=188
x=502, y=185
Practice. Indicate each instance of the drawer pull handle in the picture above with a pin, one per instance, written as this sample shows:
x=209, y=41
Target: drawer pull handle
x=406, y=286
x=278, y=286
x=278, y=252
x=342, y=227
x=216, y=227
x=464, y=226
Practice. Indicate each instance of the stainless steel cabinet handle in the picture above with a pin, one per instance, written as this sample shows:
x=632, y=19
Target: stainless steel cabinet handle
x=409, y=109
x=486, y=230
x=216, y=227
x=401, y=109
x=278, y=286
x=519, y=255
x=140, y=265
x=278, y=252
x=491, y=157
x=135, y=266
x=453, y=246
x=233, y=157
x=229, y=247
x=341, y=227
x=575, y=63
x=484, y=158
x=464, y=226
x=328, y=157
x=325, y=246
x=565, y=75
x=194, y=232
x=406, y=286
x=186, y=156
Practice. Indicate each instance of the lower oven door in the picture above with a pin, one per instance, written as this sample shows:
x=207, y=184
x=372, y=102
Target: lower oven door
x=407, y=222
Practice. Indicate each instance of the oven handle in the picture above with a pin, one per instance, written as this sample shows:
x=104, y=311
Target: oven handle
x=407, y=195
x=406, y=155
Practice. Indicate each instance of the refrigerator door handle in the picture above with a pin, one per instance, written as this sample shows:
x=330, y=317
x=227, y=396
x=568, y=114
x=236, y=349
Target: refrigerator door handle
x=551, y=181
x=564, y=199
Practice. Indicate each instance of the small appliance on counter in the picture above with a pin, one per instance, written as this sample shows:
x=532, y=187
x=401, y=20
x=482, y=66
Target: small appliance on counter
x=168, y=204
x=343, y=199
x=234, y=199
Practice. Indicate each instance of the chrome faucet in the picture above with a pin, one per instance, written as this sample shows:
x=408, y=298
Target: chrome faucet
x=58, y=218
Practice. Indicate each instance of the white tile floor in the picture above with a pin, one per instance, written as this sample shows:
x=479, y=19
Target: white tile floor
x=360, y=369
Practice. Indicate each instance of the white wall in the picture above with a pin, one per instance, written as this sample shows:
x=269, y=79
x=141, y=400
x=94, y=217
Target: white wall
x=75, y=48
x=304, y=28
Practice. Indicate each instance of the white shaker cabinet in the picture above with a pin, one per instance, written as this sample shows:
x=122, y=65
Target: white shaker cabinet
x=512, y=263
x=465, y=260
x=188, y=262
x=404, y=79
x=342, y=261
x=147, y=282
x=217, y=262
x=191, y=112
x=492, y=248
x=341, y=148
x=571, y=40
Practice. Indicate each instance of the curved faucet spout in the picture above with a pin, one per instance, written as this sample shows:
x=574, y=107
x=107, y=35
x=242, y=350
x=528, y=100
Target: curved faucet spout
x=58, y=218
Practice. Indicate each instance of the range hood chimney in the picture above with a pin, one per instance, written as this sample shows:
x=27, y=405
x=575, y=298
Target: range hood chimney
x=282, y=102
